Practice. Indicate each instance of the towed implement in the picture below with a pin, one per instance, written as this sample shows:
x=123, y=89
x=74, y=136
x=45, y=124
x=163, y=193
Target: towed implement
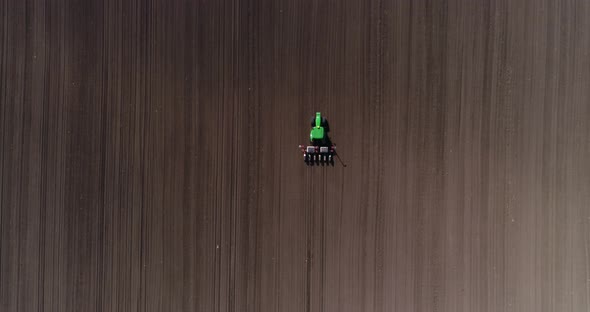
x=318, y=155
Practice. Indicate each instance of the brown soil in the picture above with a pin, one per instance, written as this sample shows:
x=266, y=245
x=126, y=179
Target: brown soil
x=149, y=161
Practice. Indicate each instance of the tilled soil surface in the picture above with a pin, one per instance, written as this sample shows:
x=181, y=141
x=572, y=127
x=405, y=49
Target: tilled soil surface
x=149, y=156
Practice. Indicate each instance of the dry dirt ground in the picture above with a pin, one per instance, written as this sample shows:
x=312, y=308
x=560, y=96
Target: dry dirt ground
x=149, y=155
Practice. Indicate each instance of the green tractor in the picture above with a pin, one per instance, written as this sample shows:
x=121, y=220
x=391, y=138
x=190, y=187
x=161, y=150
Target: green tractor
x=320, y=150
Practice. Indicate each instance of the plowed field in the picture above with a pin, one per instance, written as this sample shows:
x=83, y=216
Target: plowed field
x=149, y=160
